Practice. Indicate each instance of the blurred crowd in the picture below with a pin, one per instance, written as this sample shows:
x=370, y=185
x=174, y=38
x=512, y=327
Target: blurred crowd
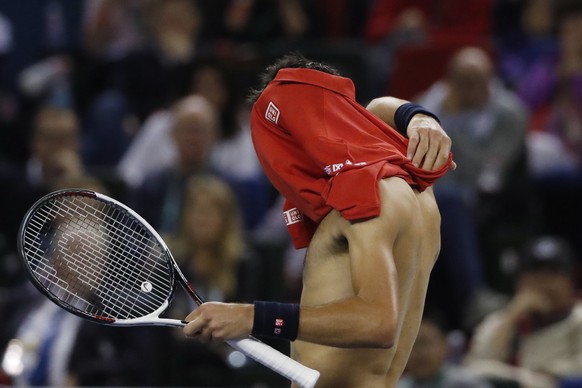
x=144, y=100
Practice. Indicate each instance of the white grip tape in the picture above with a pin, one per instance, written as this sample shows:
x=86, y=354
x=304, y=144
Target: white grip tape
x=273, y=359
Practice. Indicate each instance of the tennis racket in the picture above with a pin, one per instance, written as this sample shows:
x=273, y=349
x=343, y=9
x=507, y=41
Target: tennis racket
x=98, y=259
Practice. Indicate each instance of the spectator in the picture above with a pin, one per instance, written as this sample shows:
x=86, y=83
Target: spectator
x=263, y=20
x=524, y=33
x=212, y=82
x=156, y=75
x=114, y=28
x=214, y=256
x=487, y=121
x=232, y=154
x=557, y=68
x=392, y=25
x=536, y=339
x=553, y=92
x=54, y=157
x=211, y=242
x=487, y=125
x=194, y=132
x=55, y=348
x=435, y=20
x=428, y=367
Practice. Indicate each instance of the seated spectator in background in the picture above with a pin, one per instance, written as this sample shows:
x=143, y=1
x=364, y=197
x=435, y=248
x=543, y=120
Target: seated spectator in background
x=536, y=339
x=155, y=75
x=113, y=28
x=259, y=21
x=487, y=124
x=486, y=121
x=54, y=157
x=54, y=163
x=435, y=20
x=428, y=366
x=524, y=33
x=122, y=74
x=553, y=92
x=234, y=150
x=214, y=256
x=56, y=348
x=211, y=244
x=392, y=24
x=194, y=132
x=558, y=67
x=232, y=154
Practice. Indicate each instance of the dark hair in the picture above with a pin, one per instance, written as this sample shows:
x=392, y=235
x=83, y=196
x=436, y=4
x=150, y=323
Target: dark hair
x=292, y=60
x=550, y=253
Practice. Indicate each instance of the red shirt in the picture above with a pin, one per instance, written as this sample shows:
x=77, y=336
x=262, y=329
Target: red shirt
x=323, y=150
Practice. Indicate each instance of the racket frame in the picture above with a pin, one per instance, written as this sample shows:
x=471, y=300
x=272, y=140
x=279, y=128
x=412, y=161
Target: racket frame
x=252, y=347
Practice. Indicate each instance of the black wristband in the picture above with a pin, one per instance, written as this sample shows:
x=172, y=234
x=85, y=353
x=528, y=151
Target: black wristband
x=404, y=114
x=276, y=320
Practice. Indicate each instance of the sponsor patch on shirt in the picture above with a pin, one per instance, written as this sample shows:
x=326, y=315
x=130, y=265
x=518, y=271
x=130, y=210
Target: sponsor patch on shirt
x=292, y=216
x=272, y=113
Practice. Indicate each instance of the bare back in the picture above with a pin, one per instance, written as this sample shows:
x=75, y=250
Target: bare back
x=412, y=224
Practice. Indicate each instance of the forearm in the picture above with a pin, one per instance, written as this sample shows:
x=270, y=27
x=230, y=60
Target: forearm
x=350, y=323
x=385, y=108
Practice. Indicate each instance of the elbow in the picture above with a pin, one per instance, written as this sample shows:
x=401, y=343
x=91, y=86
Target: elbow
x=375, y=105
x=383, y=333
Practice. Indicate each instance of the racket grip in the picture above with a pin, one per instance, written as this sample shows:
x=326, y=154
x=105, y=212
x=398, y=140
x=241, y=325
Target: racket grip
x=273, y=359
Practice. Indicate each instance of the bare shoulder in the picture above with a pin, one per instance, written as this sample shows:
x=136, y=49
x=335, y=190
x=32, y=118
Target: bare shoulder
x=401, y=202
x=402, y=208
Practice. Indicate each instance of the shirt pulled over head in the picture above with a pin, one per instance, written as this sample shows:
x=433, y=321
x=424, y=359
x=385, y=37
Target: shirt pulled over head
x=322, y=150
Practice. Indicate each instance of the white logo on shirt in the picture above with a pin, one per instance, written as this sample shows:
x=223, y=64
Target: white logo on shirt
x=334, y=169
x=272, y=113
x=292, y=216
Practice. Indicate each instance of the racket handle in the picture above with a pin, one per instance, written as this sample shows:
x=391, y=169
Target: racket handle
x=273, y=359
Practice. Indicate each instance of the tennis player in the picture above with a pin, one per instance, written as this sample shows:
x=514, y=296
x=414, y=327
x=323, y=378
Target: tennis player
x=358, y=195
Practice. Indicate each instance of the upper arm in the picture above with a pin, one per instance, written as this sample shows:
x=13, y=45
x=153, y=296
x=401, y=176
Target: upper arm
x=384, y=108
x=371, y=248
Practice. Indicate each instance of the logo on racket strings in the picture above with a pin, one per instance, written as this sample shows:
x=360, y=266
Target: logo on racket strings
x=146, y=287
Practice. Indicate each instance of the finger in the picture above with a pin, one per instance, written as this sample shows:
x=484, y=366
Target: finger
x=193, y=328
x=420, y=151
x=430, y=157
x=442, y=149
x=441, y=159
x=205, y=336
x=412, y=144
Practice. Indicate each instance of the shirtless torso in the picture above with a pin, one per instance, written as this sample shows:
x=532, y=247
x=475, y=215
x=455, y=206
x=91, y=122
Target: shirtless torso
x=408, y=229
x=364, y=281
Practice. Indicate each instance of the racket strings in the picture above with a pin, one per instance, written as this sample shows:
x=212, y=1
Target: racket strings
x=124, y=272
x=100, y=261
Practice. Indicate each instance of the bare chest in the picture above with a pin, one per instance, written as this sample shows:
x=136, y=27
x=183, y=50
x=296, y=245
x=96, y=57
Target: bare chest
x=327, y=274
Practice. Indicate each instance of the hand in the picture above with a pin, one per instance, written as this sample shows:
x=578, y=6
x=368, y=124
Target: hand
x=429, y=145
x=213, y=321
x=529, y=302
